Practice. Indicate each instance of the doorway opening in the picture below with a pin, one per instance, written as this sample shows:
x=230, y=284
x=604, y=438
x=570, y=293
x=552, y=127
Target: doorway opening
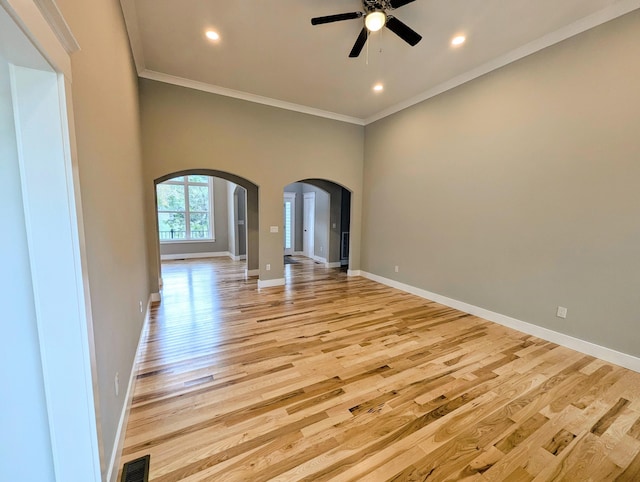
x=204, y=213
x=316, y=220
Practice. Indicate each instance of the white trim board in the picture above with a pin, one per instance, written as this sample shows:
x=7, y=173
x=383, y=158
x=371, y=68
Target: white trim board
x=211, y=254
x=325, y=263
x=319, y=259
x=251, y=272
x=586, y=347
x=270, y=283
x=58, y=24
x=116, y=454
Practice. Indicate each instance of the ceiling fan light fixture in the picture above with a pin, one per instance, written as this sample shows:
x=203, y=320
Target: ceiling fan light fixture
x=375, y=20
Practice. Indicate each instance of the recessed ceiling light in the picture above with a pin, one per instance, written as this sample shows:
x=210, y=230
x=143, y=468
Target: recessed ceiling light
x=458, y=40
x=211, y=35
x=378, y=88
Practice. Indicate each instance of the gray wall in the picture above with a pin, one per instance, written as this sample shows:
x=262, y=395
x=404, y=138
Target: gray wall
x=24, y=443
x=110, y=171
x=331, y=215
x=240, y=219
x=188, y=129
x=518, y=192
x=221, y=226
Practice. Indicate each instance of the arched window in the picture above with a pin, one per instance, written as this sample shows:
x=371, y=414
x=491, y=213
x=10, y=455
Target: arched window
x=185, y=209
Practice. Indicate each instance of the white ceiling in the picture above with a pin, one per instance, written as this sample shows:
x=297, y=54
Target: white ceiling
x=270, y=53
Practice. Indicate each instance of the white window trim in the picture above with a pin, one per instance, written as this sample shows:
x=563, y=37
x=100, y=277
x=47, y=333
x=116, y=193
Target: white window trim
x=186, y=183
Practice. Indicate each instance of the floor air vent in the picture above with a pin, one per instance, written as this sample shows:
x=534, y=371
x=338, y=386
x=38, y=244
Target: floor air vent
x=136, y=470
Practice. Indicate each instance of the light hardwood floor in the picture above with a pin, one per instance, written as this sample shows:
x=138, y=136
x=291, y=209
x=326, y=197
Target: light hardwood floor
x=336, y=378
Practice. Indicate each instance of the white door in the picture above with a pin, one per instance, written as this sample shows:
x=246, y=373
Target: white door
x=309, y=222
x=289, y=222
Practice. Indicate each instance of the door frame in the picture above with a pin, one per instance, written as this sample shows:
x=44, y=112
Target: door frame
x=45, y=136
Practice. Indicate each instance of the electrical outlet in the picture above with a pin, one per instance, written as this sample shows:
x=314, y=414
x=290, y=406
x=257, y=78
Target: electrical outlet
x=140, y=306
x=268, y=267
x=562, y=312
x=397, y=269
x=116, y=383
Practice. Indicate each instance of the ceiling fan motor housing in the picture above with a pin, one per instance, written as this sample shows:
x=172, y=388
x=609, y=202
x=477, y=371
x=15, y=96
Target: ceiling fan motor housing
x=376, y=17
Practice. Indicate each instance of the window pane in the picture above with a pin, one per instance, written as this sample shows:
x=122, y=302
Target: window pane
x=170, y=197
x=171, y=226
x=198, y=179
x=176, y=179
x=287, y=225
x=199, y=198
x=199, y=226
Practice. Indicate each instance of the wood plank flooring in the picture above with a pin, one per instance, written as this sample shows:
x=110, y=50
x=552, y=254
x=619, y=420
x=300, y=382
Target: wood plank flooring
x=344, y=379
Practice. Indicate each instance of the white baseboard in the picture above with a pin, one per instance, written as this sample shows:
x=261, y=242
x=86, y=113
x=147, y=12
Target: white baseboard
x=156, y=297
x=251, y=272
x=114, y=463
x=298, y=253
x=210, y=254
x=237, y=258
x=325, y=263
x=270, y=283
x=319, y=259
x=607, y=354
x=354, y=272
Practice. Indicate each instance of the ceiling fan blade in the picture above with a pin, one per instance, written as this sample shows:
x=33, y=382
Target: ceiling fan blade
x=335, y=18
x=399, y=3
x=403, y=31
x=360, y=41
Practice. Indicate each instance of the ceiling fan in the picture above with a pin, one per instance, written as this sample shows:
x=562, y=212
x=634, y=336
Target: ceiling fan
x=375, y=17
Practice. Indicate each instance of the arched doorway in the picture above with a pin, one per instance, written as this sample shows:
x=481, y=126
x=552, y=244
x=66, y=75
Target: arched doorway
x=316, y=221
x=185, y=228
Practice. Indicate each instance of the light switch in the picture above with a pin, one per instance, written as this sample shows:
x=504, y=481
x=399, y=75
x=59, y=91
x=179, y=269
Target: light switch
x=274, y=229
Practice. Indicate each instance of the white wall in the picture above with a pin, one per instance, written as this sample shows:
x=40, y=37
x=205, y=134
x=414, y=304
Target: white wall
x=25, y=447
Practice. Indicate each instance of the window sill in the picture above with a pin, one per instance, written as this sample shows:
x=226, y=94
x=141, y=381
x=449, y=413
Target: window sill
x=187, y=241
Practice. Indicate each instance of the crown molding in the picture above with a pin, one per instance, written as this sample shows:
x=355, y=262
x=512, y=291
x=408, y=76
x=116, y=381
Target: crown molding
x=258, y=99
x=58, y=24
x=609, y=13
x=618, y=9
